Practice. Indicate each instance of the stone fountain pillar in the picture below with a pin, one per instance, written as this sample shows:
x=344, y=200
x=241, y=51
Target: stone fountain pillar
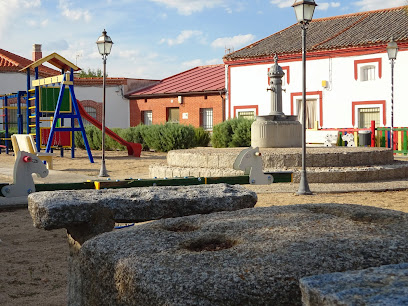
x=276, y=130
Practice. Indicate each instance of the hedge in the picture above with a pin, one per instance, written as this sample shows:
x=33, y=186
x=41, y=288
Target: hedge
x=159, y=137
x=232, y=133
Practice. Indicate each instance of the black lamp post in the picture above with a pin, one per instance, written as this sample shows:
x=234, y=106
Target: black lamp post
x=392, y=50
x=304, y=10
x=104, y=44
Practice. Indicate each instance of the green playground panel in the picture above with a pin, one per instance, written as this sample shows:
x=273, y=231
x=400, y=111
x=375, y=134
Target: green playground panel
x=49, y=99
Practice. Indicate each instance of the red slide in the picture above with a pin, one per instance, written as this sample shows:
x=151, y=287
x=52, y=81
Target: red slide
x=134, y=149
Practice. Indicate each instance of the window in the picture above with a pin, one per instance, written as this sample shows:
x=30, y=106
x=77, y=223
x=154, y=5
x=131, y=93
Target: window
x=147, y=117
x=367, y=73
x=311, y=112
x=366, y=115
x=173, y=114
x=91, y=112
x=206, y=118
x=247, y=115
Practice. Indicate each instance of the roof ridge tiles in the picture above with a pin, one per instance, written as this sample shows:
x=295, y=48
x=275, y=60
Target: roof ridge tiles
x=360, y=13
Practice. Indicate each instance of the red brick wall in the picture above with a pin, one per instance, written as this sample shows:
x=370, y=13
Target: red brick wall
x=190, y=105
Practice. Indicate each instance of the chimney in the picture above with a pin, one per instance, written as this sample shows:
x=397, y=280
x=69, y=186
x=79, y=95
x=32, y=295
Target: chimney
x=37, y=53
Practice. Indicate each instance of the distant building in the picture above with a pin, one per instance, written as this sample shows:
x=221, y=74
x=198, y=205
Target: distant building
x=348, y=71
x=87, y=90
x=195, y=96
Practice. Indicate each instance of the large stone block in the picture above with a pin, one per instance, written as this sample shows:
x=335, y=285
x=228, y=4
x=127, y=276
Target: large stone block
x=385, y=285
x=62, y=209
x=247, y=257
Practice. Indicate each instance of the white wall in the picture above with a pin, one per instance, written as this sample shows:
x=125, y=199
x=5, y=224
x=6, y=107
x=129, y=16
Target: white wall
x=249, y=83
x=11, y=82
x=117, y=108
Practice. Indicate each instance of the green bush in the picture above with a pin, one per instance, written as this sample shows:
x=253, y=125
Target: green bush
x=202, y=137
x=177, y=136
x=152, y=137
x=169, y=136
x=232, y=133
x=91, y=133
x=162, y=137
x=112, y=144
x=135, y=134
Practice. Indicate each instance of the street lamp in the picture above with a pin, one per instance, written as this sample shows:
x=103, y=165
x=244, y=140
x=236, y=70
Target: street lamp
x=304, y=10
x=104, y=44
x=392, y=50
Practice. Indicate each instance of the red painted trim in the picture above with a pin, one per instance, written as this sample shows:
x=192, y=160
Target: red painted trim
x=287, y=69
x=309, y=93
x=379, y=102
x=229, y=92
x=366, y=61
x=244, y=107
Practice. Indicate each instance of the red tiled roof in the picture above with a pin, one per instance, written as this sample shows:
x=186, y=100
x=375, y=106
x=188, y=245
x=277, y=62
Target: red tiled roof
x=364, y=29
x=200, y=79
x=99, y=81
x=13, y=62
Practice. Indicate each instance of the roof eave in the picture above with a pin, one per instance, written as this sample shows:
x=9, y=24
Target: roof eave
x=172, y=94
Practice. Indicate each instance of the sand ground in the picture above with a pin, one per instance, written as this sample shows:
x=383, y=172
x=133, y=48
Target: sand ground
x=33, y=262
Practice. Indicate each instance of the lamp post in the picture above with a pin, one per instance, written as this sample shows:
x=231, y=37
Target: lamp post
x=392, y=50
x=104, y=44
x=304, y=10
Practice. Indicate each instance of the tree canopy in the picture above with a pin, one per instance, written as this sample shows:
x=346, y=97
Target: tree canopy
x=91, y=73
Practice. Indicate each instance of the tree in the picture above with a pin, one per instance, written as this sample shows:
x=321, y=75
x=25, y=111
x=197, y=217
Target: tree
x=91, y=73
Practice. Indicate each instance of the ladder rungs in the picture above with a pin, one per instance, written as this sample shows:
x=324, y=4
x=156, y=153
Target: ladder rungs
x=47, y=119
x=31, y=90
x=32, y=125
x=31, y=98
x=31, y=107
x=32, y=116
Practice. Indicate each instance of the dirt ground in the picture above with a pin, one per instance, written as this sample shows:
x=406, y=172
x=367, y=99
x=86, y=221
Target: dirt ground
x=33, y=262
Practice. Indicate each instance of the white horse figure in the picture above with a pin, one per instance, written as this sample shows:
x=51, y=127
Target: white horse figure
x=249, y=160
x=349, y=137
x=23, y=183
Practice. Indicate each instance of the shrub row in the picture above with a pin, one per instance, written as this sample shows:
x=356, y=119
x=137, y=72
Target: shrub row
x=161, y=137
x=232, y=133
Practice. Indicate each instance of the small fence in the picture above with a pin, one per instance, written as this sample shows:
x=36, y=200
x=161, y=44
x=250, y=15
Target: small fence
x=380, y=137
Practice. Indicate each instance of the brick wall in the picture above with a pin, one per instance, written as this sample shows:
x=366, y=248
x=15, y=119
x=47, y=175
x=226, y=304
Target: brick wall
x=190, y=105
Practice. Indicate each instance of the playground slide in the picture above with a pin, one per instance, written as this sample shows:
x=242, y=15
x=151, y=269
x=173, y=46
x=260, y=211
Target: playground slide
x=134, y=149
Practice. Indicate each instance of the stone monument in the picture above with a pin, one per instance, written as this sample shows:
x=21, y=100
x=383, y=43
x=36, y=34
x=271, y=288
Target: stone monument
x=276, y=130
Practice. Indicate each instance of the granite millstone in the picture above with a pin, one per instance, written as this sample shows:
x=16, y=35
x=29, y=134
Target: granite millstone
x=385, y=285
x=246, y=257
x=61, y=209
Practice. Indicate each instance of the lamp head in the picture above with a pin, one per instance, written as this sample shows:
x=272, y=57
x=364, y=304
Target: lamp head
x=392, y=49
x=104, y=44
x=304, y=10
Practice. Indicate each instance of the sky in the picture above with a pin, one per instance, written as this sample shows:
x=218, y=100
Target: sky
x=153, y=39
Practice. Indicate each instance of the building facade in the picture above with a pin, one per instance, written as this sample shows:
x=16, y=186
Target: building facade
x=195, y=96
x=348, y=71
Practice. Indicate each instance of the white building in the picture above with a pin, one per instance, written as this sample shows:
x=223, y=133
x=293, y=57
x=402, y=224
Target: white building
x=348, y=71
x=87, y=90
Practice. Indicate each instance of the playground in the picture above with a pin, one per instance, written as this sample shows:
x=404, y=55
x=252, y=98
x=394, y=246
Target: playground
x=39, y=277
